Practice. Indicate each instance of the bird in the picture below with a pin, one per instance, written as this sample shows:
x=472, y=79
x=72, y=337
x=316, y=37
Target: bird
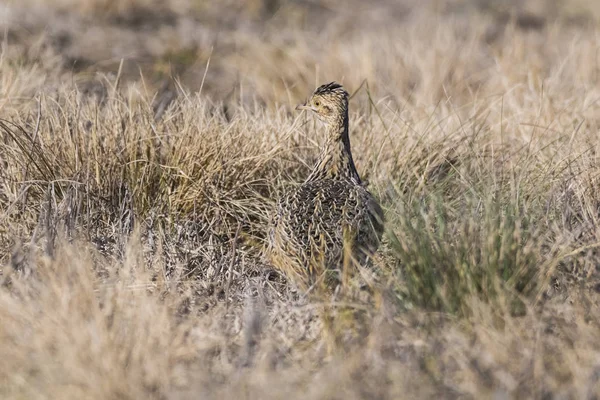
x=331, y=220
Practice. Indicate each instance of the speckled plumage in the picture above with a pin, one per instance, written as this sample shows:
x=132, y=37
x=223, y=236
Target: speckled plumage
x=331, y=215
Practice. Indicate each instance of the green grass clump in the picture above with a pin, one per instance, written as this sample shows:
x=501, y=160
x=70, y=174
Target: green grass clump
x=486, y=248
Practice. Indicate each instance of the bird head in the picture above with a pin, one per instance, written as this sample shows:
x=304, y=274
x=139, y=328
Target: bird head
x=329, y=102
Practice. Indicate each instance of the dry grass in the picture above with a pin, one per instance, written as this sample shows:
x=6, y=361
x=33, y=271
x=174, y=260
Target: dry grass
x=143, y=145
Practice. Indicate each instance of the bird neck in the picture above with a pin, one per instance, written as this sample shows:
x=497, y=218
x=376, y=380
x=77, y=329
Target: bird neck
x=336, y=159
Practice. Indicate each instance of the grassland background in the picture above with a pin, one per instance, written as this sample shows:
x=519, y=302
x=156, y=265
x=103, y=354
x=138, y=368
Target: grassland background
x=143, y=144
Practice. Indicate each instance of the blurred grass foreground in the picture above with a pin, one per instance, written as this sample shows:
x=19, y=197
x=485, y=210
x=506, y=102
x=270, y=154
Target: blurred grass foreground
x=143, y=145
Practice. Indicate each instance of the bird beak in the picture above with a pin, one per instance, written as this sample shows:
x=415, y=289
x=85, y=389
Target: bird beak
x=300, y=107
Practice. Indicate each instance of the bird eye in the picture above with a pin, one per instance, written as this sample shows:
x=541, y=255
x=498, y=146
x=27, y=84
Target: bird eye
x=317, y=103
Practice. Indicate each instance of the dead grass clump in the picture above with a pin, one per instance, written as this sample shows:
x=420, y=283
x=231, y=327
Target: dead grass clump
x=65, y=331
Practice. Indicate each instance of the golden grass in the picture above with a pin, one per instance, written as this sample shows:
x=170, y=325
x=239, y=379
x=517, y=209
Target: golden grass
x=142, y=149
